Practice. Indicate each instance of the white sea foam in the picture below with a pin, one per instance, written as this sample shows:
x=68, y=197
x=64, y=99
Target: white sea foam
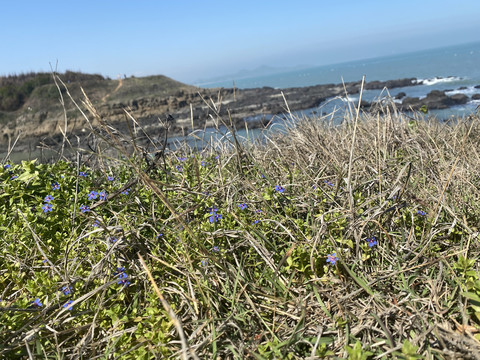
x=350, y=99
x=437, y=80
x=468, y=91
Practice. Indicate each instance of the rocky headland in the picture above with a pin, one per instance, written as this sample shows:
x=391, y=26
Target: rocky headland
x=158, y=103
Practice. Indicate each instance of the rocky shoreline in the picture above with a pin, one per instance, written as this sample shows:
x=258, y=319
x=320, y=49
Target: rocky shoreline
x=203, y=106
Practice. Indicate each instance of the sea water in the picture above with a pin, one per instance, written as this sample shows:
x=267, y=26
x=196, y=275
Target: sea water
x=454, y=69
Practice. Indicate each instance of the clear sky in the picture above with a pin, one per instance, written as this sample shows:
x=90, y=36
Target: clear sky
x=192, y=39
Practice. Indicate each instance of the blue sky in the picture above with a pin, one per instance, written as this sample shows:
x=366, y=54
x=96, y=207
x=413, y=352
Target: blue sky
x=191, y=40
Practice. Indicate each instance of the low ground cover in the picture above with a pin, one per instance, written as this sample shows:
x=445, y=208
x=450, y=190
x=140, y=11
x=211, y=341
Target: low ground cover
x=357, y=241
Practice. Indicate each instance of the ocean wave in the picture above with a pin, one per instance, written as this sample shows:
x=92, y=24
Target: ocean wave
x=468, y=91
x=437, y=80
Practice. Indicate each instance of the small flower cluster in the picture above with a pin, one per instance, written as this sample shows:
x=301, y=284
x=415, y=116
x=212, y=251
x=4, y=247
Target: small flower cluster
x=67, y=290
x=214, y=215
x=68, y=304
x=122, y=277
x=47, y=206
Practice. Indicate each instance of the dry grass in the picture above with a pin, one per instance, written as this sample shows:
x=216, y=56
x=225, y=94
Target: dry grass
x=256, y=284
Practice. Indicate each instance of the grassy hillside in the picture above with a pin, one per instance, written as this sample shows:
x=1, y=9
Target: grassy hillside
x=356, y=241
x=38, y=92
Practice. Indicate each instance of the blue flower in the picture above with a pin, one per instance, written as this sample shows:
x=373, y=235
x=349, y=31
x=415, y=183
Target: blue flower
x=328, y=183
x=7, y=166
x=204, y=163
x=421, y=213
x=215, y=216
x=96, y=224
x=13, y=177
x=103, y=195
x=371, y=241
x=332, y=258
x=47, y=208
x=126, y=191
x=67, y=305
x=159, y=235
x=55, y=186
x=216, y=249
x=182, y=158
x=204, y=262
x=242, y=206
x=110, y=178
x=67, y=290
x=48, y=198
x=122, y=276
x=37, y=302
x=92, y=195
x=256, y=222
x=279, y=188
x=84, y=208
x=179, y=168
x=83, y=174
x=113, y=239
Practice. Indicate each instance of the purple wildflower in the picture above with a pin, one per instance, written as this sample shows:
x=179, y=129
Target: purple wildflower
x=215, y=216
x=67, y=290
x=371, y=241
x=122, y=276
x=92, y=195
x=332, y=258
x=46, y=208
x=67, y=305
x=103, y=195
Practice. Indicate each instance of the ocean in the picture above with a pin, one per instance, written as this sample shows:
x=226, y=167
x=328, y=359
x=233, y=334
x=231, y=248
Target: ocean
x=455, y=69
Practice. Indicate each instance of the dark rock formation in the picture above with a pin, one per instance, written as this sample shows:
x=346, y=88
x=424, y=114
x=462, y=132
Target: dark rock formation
x=435, y=99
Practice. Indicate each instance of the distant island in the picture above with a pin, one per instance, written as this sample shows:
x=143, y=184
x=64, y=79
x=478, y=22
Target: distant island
x=31, y=109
